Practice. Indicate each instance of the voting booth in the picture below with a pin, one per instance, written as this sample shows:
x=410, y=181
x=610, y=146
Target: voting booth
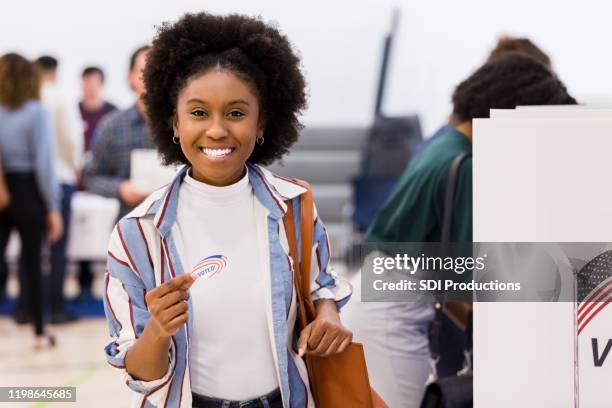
x=543, y=174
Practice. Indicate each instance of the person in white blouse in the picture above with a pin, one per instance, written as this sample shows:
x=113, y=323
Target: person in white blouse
x=200, y=296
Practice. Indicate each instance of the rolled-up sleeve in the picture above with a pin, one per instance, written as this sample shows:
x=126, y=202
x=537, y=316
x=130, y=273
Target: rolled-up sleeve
x=326, y=283
x=127, y=315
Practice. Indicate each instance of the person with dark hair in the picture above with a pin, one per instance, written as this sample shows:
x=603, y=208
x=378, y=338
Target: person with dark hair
x=200, y=296
x=107, y=170
x=414, y=213
x=47, y=65
x=504, y=45
x=68, y=159
x=93, y=71
x=92, y=106
x=525, y=46
x=26, y=148
x=505, y=83
x=93, y=109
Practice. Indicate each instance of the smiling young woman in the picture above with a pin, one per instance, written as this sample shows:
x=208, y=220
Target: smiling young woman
x=200, y=295
x=218, y=122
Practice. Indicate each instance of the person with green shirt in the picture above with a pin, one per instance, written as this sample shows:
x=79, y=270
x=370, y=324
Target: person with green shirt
x=413, y=212
x=395, y=335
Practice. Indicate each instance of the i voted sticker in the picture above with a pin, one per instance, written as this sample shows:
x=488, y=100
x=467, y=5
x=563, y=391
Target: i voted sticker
x=210, y=266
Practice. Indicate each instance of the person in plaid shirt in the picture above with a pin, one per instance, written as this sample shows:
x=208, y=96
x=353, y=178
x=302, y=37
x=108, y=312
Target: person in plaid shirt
x=107, y=171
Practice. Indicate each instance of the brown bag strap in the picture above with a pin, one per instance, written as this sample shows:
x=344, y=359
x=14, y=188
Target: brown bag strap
x=306, y=310
x=290, y=232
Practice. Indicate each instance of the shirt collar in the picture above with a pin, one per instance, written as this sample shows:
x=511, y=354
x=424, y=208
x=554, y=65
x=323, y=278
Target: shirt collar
x=269, y=189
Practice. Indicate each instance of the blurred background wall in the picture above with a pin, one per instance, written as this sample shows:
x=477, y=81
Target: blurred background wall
x=439, y=42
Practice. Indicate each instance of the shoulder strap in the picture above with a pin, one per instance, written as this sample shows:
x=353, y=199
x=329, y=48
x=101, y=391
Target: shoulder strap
x=306, y=310
x=450, y=196
x=434, y=334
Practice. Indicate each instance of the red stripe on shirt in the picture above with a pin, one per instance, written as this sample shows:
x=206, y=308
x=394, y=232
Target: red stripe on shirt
x=110, y=306
x=167, y=199
x=163, y=262
x=145, y=242
x=171, y=375
x=125, y=248
x=165, y=244
x=117, y=259
x=263, y=179
x=131, y=312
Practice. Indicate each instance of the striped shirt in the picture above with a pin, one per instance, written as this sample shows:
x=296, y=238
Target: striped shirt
x=142, y=255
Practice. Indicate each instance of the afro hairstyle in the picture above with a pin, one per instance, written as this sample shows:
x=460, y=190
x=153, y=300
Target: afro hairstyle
x=254, y=51
x=509, y=81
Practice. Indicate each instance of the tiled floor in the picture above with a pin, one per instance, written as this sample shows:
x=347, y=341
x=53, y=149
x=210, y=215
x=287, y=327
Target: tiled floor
x=77, y=360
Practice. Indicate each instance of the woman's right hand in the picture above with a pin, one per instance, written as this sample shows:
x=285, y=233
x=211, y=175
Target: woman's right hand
x=168, y=305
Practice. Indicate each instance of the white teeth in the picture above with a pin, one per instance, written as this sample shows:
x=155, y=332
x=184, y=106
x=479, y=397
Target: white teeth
x=216, y=152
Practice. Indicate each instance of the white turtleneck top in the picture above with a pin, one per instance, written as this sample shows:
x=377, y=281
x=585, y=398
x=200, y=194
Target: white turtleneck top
x=231, y=353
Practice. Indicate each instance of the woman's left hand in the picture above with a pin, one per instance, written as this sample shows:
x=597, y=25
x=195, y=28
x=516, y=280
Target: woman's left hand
x=325, y=336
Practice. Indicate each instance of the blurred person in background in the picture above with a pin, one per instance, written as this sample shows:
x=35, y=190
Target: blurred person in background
x=68, y=132
x=107, y=171
x=93, y=109
x=452, y=338
x=26, y=147
x=92, y=106
x=525, y=46
x=395, y=335
x=504, y=45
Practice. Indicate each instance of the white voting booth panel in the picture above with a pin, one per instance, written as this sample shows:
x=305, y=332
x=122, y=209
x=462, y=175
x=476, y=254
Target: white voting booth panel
x=537, y=180
x=595, y=360
x=542, y=113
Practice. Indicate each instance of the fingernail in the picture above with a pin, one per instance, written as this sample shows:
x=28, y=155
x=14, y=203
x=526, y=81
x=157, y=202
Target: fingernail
x=301, y=352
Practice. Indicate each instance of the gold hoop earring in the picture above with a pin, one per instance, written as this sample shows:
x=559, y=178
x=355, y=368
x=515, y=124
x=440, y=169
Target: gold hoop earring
x=175, y=139
x=260, y=140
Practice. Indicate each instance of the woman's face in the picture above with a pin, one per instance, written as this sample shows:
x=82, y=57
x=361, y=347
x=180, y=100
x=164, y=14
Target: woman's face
x=217, y=122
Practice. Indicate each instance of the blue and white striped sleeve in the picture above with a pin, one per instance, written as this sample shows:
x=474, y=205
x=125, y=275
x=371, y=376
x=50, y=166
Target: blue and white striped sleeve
x=326, y=283
x=127, y=315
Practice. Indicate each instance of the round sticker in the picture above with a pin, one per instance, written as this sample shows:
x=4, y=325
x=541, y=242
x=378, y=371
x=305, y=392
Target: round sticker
x=210, y=266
